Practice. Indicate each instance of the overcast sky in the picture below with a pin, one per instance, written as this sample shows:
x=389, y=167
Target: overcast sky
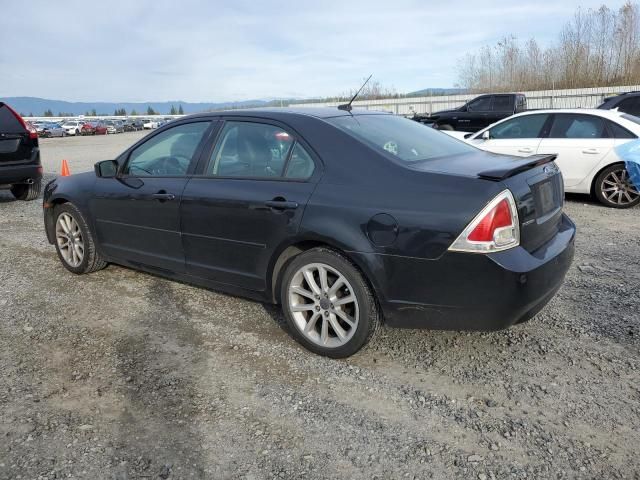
x=191, y=50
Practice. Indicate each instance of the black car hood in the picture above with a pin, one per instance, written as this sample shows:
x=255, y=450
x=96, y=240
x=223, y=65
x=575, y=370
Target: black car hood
x=488, y=166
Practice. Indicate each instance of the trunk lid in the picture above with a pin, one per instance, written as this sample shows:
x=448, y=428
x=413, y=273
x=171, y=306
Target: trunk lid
x=16, y=145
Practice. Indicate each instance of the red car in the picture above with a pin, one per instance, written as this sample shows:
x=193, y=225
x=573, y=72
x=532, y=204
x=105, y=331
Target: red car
x=99, y=128
x=88, y=129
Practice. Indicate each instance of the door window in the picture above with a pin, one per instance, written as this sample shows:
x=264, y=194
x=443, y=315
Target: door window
x=167, y=154
x=482, y=104
x=526, y=126
x=630, y=105
x=250, y=149
x=577, y=126
x=502, y=103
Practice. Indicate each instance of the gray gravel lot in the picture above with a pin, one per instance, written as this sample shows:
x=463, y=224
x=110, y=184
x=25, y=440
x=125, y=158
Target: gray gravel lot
x=124, y=375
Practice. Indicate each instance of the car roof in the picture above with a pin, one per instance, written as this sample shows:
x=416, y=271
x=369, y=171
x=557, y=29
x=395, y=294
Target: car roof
x=588, y=111
x=318, y=112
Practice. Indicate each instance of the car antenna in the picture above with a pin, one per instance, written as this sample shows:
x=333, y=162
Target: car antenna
x=347, y=106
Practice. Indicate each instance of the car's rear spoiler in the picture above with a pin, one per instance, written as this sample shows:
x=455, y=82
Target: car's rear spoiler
x=512, y=166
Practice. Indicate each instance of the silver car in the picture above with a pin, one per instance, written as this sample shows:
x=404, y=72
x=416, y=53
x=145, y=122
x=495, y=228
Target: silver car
x=53, y=130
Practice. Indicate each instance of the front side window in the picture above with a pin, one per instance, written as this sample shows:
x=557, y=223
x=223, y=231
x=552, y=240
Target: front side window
x=168, y=153
x=250, y=149
x=526, y=126
x=502, y=103
x=482, y=104
x=406, y=140
x=577, y=126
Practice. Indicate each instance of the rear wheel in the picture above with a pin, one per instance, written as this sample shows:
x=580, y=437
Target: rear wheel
x=327, y=303
x=75, y=244
x=614, y=188
x=445, y=126
x=27, y=191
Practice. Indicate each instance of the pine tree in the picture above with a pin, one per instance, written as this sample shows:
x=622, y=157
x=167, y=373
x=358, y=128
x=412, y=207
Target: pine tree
x=133, y=112
x=180, y=110
x=151, y=111
x=94, y=113
x=173, y=110
x=48, y=113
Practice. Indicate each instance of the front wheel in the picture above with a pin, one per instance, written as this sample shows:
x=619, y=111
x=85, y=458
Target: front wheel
x=614, y=188
x=75, y=244
x=445, y=126
x=26, y=191
x=327, y=303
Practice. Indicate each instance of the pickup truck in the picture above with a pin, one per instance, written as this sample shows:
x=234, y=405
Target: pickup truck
x=478, y=113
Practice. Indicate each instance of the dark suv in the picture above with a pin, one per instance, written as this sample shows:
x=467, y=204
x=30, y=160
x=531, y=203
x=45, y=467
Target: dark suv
x=20, y=167
x=626, y=102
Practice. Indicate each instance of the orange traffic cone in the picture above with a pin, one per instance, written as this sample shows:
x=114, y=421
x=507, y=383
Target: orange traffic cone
x=65, y=169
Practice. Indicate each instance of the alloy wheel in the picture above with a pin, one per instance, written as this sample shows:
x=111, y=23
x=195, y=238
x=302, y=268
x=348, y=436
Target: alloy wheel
x=618, y=189
x=69, y=239
x=323, y=305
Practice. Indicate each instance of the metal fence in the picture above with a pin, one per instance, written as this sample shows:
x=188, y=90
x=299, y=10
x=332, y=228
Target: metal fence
x=573, y=98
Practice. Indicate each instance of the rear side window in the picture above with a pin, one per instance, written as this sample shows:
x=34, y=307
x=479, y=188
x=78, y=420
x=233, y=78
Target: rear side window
x=577, y=126
x=406, y=140
x=619, y=132
x=482, y=104
x=300, y=165
x=526, y=126
x=8, y=121
x=250, y=149
x=502, y=103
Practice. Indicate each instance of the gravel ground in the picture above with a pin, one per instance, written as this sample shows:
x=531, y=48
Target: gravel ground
x=123, y=375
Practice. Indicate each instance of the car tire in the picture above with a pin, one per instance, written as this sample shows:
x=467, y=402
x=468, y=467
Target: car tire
x=27, y=191
x=445, y=126
x=78, y=132
x=317, y=314
x=614, y=189
x=70, y=224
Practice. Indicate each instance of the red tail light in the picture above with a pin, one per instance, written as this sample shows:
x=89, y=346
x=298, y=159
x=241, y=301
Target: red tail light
x=33, y=133
x=494, y=229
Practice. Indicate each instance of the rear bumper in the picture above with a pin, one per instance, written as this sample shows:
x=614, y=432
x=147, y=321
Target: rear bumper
x=22, y=172
x=465, y=291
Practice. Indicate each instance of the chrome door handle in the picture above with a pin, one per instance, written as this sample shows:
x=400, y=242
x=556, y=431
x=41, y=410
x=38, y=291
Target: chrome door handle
x=591, y=151
x=163, y=197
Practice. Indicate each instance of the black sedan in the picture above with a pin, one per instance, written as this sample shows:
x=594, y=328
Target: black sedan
x=346, y=219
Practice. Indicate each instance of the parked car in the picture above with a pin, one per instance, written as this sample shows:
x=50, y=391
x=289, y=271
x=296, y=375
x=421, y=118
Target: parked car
x=73, y=127
x=114, y=126
x=284, y=206
x=20, y=167
x=478, y=113
x=100, y=128
x=88, y=128
x=627, y=102
x=53, y=130
x=150, y=124
x=584, y=142
x=131, y=126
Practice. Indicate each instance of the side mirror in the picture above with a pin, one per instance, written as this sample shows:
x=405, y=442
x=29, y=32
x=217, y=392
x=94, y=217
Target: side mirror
x=486, y=135
x=106, y=169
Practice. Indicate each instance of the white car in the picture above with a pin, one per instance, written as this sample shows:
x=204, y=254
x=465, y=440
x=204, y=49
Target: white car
x=584, y=141
x=150, y=124
x=73, y=127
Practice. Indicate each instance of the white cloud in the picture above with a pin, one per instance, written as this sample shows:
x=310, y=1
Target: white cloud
x=196, y=50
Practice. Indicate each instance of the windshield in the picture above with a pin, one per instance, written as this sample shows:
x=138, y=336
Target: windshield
x=407, y=140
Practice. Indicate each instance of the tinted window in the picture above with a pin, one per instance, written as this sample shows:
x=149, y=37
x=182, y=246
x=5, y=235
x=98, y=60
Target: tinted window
x=630, y=105
x=577, y=126
x=404, y=139
x=168, y=153
x=8, y=121
x=482, y=104
x=502, y=103
x=300, y=164
x=526, y=126
x=619, y=132
x=247, y=149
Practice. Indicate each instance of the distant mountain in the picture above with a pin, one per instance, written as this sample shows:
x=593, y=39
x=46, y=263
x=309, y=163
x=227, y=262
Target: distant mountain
x=425, y=92
x=38, y=106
